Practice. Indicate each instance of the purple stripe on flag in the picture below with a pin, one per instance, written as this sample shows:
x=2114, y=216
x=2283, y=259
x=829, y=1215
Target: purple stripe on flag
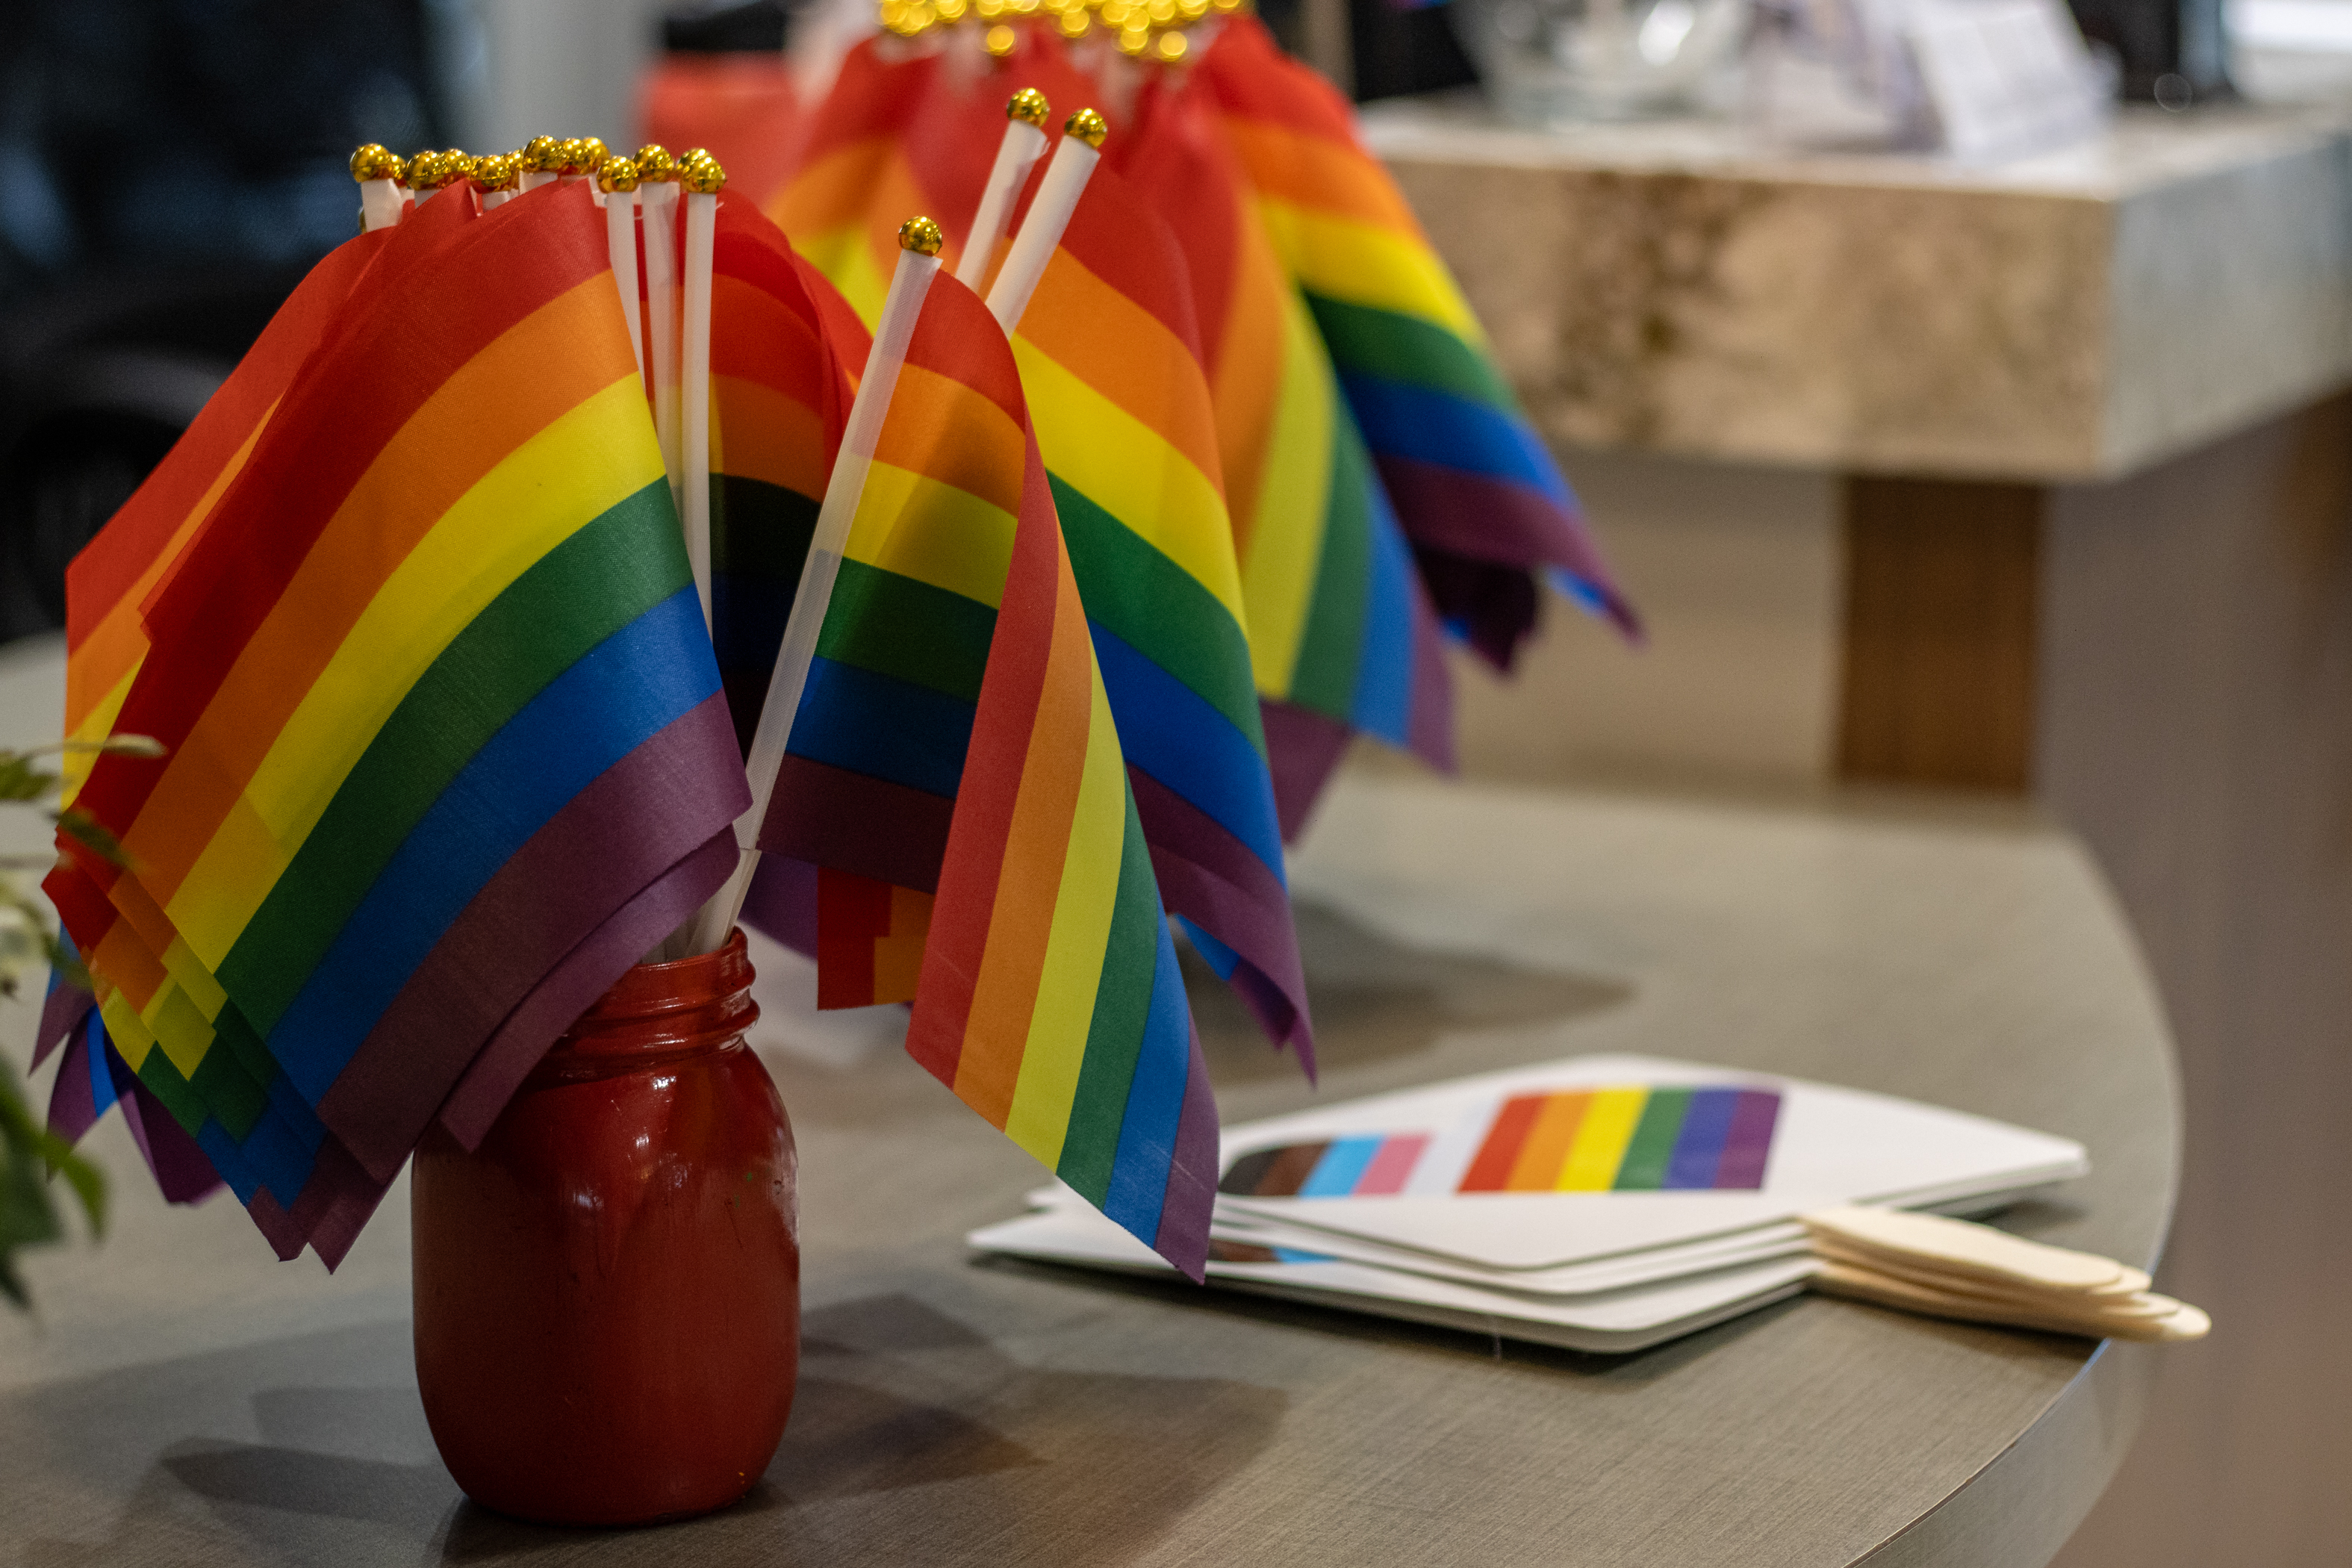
x=64, y=1005
x=335, y=1203
x=782, y=902
x=1485, y=518
x=1698, y=1148
x=637, y=820
x=1210, y=877
x=1748, y=1143
x=854, y=822
x=182, y=1172
x=277, y=1227
x=73, y=1101
x=1184, y=1235
x=1302, y=748
x=572, y=987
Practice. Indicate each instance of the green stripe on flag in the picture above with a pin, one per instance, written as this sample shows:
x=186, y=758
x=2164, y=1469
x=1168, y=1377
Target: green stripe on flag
x=1331, y=650
x=1158, y=609
x=1122, y=1009
x=627, y=560
x=1373, y=341
x=760, y=529
x=894, y=624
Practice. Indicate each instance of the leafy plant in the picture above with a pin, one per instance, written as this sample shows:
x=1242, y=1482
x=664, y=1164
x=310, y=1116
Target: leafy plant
x=29, y=1153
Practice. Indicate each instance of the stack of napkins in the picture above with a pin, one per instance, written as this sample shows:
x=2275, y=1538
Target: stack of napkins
x=1599, y=1203
x=1946, y=1269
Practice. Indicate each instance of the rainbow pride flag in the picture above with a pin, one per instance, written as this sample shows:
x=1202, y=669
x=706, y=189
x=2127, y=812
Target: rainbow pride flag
x=909, y=130
x=1478, y=493
x=1110, y=364
x=447, y=747
x=1342, y=637
x=1631, y=1139
x=954, y=670
x=113, y=574
x=782, y=346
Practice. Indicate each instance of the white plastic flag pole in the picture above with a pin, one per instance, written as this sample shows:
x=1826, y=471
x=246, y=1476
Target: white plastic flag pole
x=378, y=175
x=1016, y=154
x=618, y=180
x=657, y=201
x=700, y=177
x=1057, y=197
x=919, y=264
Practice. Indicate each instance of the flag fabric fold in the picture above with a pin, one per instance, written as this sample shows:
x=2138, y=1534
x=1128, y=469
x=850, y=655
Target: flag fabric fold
x=783, y=346
x=955, y=774
x=907, y=131
x=1342, y=635
x=1109, y=359
x=439, y=706
x=1478, y=491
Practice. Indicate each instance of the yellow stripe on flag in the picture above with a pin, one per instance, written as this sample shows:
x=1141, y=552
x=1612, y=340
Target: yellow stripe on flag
x=1122, y=465
x=1040, y=1117
x=1286, y=539
x=547, y=489
x=1362, y=265
x=917, y=527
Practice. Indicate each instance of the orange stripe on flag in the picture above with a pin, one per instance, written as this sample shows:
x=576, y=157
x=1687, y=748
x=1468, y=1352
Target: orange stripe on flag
x=1312, y=173
x=1039, y=842
x=1124, y=352
x=519, y=384
x=945, y=430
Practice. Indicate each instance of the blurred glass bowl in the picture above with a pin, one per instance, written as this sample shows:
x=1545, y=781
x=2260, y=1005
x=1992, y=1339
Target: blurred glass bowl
x=1546, y=61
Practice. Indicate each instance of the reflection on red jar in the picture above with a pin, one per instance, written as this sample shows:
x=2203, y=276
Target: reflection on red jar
x=608, y=1290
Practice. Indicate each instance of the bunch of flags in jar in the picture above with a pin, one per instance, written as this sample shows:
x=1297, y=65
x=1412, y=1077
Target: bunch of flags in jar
x=583, y=548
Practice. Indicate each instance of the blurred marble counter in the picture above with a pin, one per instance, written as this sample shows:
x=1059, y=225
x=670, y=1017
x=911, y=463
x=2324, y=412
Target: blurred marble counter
x=2035, y=481
x=1668, y=288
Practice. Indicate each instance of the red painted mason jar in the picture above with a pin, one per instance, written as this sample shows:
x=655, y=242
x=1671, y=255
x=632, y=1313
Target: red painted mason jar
x=608, y=1290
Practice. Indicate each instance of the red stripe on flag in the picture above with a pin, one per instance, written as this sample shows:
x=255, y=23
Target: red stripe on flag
x=1014, y=688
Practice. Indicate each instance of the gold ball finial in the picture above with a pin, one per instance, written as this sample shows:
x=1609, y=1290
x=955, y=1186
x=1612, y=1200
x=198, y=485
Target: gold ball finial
x=617, y=175
x=593, y=153
x=698, y=172
x=654, y=162
x=922, y=235
x=537, y=155
x=1134, y=40
x=429, y=171
x=494, y=172
x=1029, y=105
x=567, y=157
x=1075, y=22
x=1087, y=127
x=374, y=162
x=1171, y=47
x=1001, y=39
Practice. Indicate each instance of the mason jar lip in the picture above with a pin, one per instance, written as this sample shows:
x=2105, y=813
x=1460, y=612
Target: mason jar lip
x=680, y=1005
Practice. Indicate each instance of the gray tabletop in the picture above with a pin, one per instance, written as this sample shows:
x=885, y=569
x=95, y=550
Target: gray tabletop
x=187, y=1400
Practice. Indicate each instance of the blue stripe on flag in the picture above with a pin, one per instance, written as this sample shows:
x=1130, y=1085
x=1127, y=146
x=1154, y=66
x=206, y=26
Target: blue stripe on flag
x=618, y=695
x=1449, y=432
x=1174, y=734
x=882, y=726
x=1155, y=1104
